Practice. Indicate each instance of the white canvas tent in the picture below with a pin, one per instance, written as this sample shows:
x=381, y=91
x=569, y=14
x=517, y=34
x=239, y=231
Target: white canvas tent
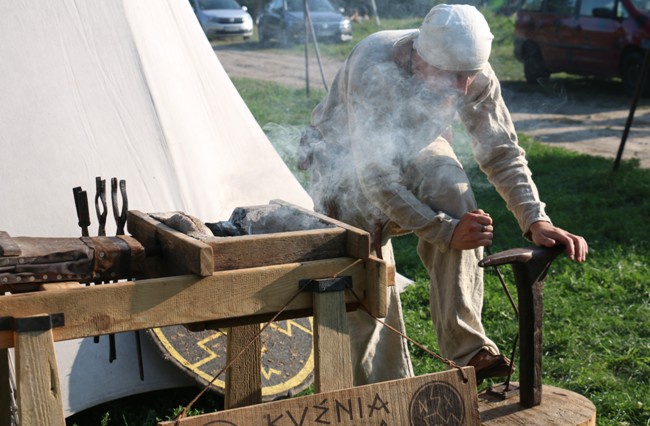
x=128, y=89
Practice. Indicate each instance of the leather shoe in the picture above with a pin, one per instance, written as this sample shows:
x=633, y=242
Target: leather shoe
x=487, y=365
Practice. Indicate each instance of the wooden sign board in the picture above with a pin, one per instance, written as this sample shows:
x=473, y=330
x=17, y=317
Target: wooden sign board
x=438, y=398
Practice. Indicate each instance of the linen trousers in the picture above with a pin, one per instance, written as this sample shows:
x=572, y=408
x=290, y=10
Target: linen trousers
x=438, y=179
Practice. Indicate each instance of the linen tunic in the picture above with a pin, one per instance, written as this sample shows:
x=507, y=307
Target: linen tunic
x=377, y=158
x=375, y=120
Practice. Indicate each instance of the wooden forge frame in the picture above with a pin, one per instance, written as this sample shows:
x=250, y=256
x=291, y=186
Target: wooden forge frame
x=237, y=283
x=192, y=290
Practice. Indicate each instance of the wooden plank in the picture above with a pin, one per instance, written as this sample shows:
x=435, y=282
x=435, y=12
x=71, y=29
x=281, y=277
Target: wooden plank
x=180, y=253
x=331, y=343
x=6, y=392
x=250, y=251
x=8, y=246
x=358, y=243
x=142, y=227
x=244, y=377
x=69, y=285
x=37, y=380
x=558, y=407
x=376, y=295
x=239, y=295
x=439, y=398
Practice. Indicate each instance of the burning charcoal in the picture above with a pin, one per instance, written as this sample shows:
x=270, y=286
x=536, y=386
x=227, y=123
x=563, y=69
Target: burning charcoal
x=225, y=229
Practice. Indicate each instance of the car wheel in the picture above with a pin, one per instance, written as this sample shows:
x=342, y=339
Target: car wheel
x=630, y=71
x=284, y=38
x=534, y=69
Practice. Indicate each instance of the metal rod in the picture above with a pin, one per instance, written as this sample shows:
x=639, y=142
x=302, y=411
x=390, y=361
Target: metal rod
x=505, y=288
x=637, y=95
x=306, y=18
x=316, y=48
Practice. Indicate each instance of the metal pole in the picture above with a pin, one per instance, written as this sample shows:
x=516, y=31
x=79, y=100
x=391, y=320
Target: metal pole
x=318, y=57
x=640, y=84
x=306, y=18
x=374, y=12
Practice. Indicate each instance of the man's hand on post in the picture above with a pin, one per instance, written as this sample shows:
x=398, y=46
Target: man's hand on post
x=546, y=235
x=474, y=230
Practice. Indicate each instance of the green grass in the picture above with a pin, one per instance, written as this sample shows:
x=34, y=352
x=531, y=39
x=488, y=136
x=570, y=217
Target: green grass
x=596, y=315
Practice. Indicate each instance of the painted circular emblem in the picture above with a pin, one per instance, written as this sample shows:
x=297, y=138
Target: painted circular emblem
x=287, y=355
x=436, y=403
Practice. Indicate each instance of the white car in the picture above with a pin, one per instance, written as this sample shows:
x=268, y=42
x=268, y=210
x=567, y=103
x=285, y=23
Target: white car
x=223, y=18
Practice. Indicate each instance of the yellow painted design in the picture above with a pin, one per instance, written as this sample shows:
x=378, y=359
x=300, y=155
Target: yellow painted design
x=289, y=330
x=203, y=345
x=185, y=363
x=268, y=373
x=278, y=389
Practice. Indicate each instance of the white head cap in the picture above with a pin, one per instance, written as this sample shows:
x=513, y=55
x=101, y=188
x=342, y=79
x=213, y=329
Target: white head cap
x=454, y=38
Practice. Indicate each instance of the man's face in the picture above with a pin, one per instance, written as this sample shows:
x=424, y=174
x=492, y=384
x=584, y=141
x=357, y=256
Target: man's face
x=440, y=80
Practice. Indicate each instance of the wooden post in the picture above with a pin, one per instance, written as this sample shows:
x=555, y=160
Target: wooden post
x=37, y=377
x=244, y=378
x=332, y=361
x=331, y=335
x=5, y=388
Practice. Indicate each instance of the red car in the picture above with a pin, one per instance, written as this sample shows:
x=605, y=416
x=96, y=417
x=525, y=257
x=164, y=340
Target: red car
x=604, y=38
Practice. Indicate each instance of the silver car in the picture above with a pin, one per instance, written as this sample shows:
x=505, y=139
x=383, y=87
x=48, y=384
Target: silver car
x=223, y=18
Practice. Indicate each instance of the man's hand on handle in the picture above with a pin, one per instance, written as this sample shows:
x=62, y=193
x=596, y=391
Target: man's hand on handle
x=475, y=230
x=546, y=235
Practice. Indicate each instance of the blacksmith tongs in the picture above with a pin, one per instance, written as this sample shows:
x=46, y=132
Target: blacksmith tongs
x=120, y=221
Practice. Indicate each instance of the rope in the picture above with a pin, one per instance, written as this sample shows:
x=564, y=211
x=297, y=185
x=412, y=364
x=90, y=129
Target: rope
x=234, y=359
x=445, y=361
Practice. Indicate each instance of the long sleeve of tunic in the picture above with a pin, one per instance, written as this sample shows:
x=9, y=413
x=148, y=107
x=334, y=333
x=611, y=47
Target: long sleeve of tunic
x=380, y=117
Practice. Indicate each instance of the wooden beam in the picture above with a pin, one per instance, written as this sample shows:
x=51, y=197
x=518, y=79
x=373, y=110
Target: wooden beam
x=358, y=240
x=8, y=246
x=6, y=391
x=248, y=251
x=68, y=285
x=37, y=378
x=244, y=377
x=439, y=398
x=240, y=295
x=181, y=254
x=377, y=278
x=332, y=359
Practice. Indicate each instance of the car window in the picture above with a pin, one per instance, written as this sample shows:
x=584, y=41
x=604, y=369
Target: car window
x=314, y=5
x=218, y=4
x=532, y=5
x=643, y=5
x=561, y=7
x=587, y=6
x=275, y=5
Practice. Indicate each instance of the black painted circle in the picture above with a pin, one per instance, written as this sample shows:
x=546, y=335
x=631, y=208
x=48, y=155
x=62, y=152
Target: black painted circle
x=287, y=355
x=436, y=403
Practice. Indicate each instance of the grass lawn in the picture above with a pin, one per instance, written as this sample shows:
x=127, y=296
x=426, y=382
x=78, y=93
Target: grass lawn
x=597, y=315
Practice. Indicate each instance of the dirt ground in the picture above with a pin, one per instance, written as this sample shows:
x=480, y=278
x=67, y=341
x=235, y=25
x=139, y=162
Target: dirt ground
x=585, y=115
